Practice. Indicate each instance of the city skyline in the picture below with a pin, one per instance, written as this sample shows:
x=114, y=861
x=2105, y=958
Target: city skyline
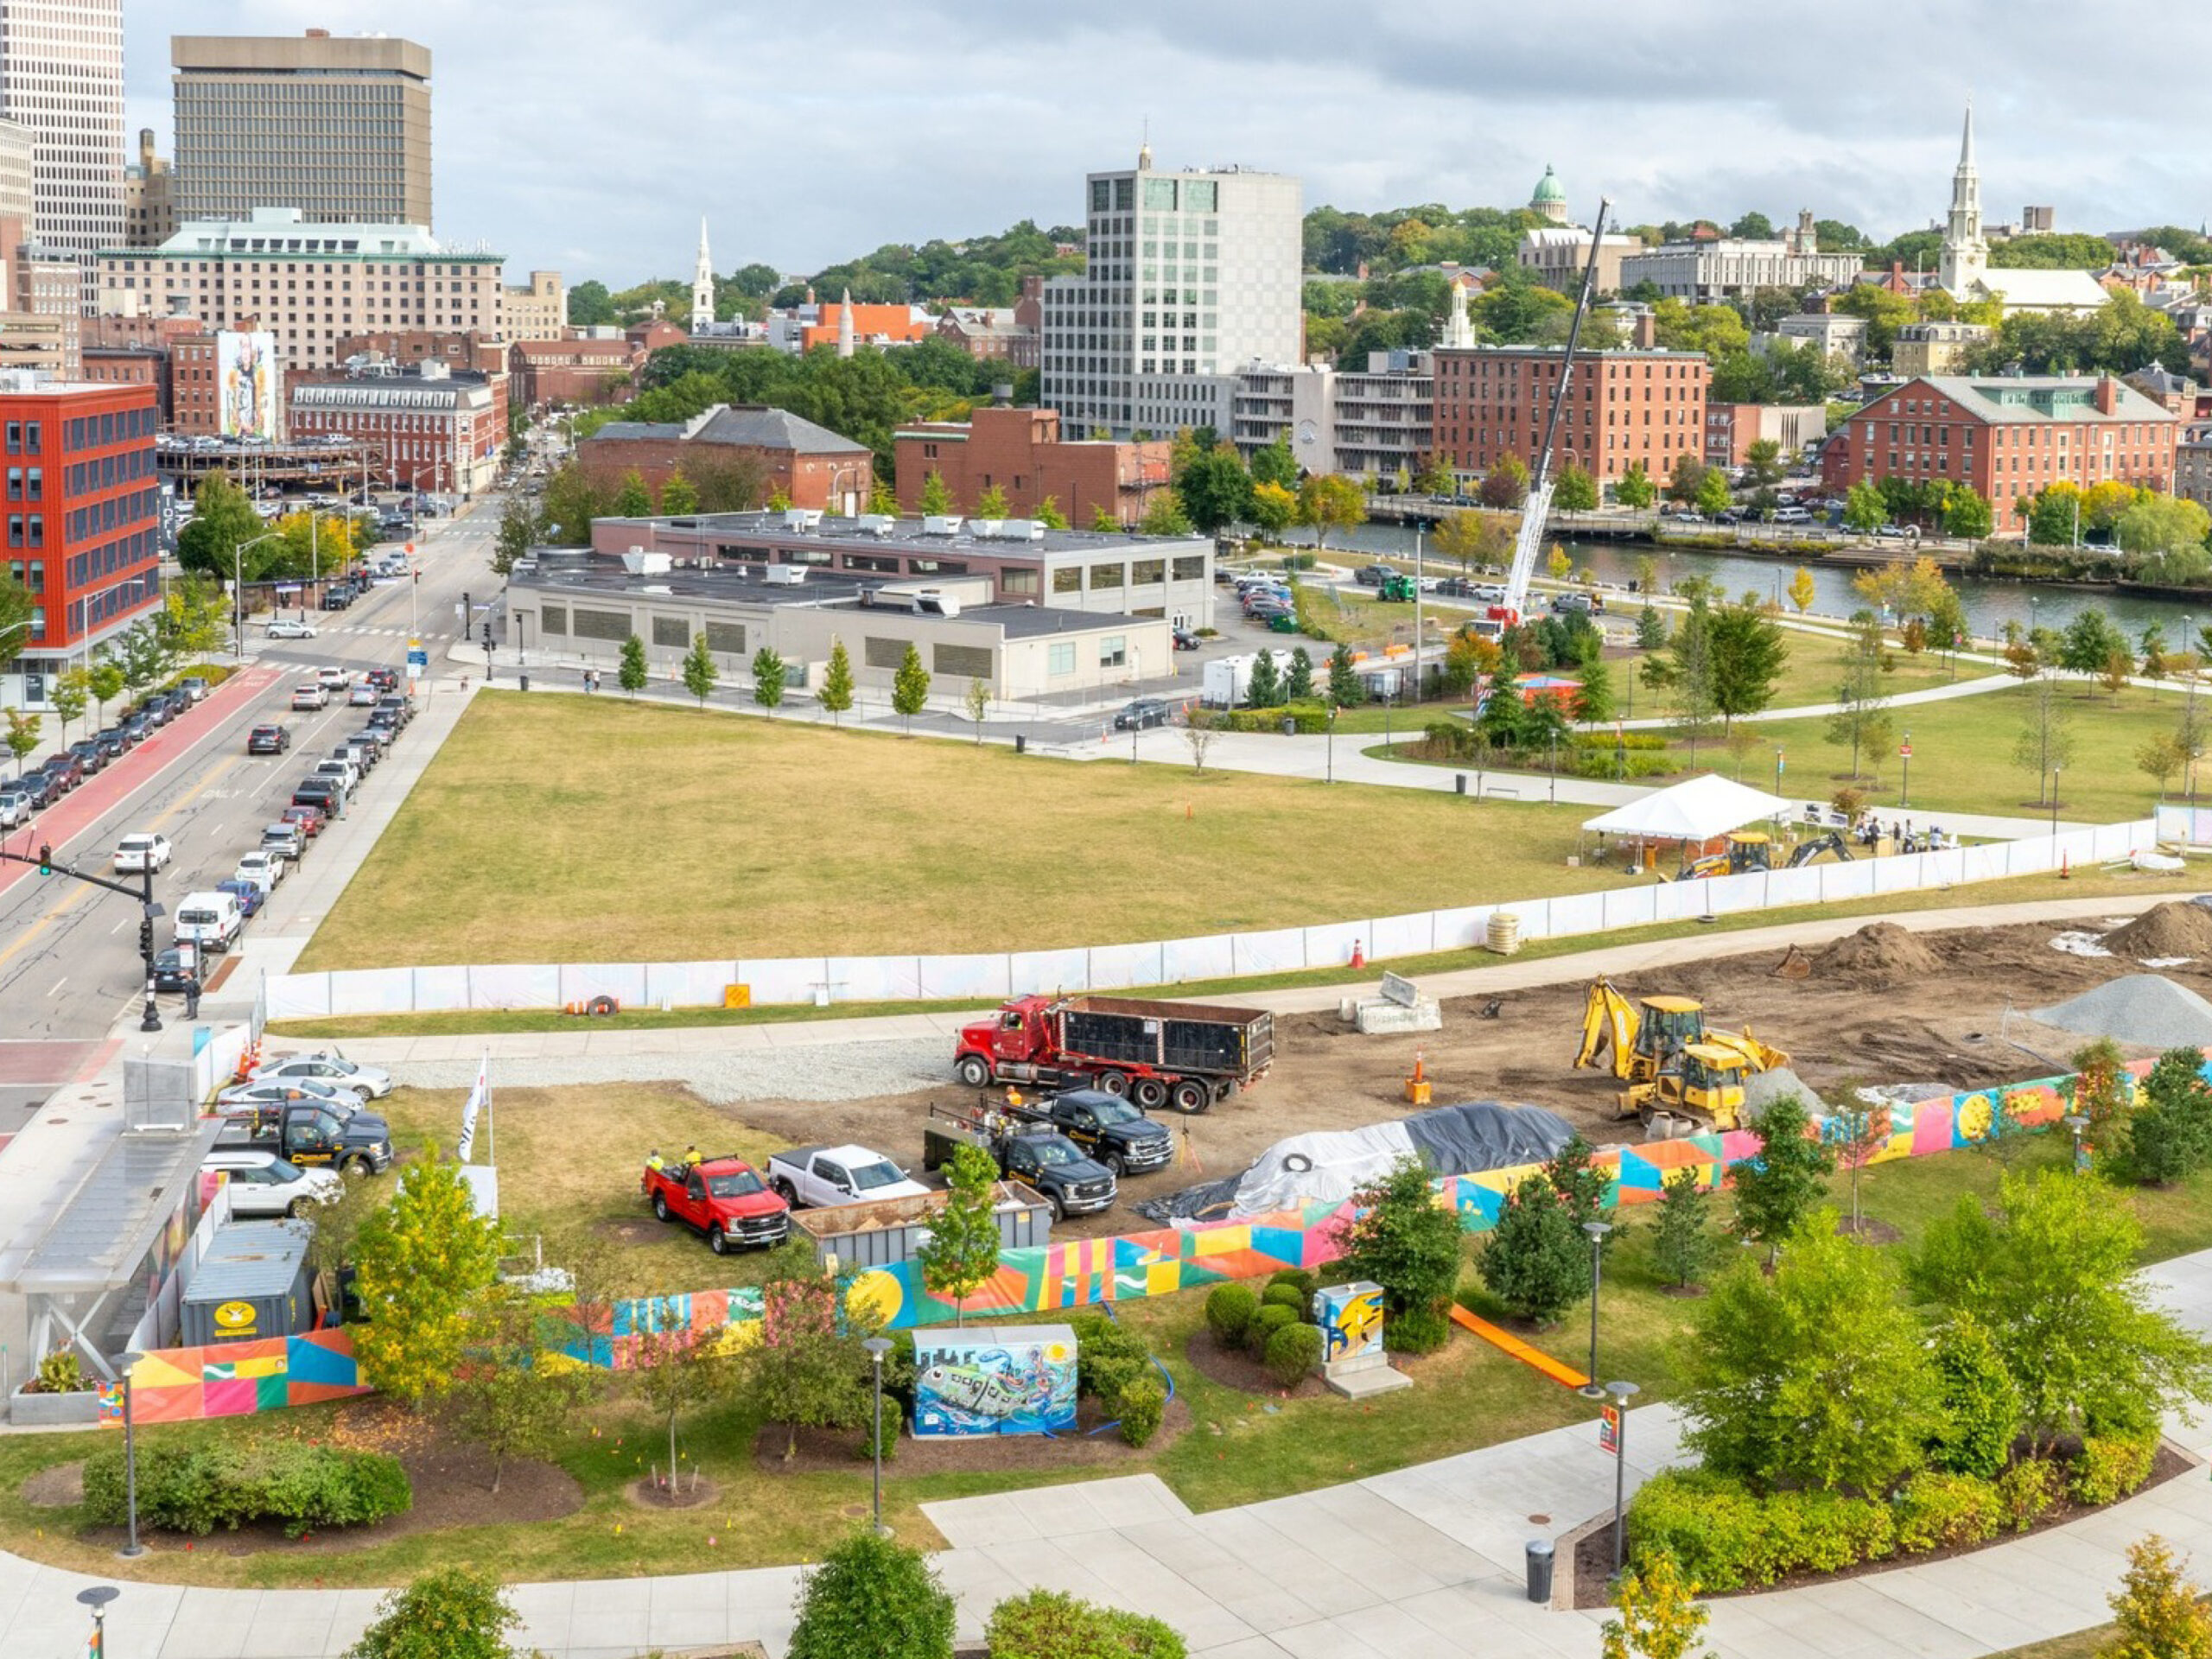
x=1723, y=118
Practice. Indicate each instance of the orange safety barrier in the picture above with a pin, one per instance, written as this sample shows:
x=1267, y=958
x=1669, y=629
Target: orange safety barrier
x=1506, y=1342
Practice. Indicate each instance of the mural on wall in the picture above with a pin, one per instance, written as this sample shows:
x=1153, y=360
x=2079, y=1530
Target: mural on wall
x=1021, y=1380
x=1350, y=1318
x=235, y=1379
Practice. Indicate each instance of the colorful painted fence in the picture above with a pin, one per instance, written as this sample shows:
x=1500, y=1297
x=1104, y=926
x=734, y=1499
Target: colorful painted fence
x=176, y=1384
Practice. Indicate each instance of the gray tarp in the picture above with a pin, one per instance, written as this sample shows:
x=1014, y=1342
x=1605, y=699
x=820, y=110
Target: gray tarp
x=1328, y=1165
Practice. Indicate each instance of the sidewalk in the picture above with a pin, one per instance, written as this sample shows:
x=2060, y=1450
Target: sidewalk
x=1424, y=1562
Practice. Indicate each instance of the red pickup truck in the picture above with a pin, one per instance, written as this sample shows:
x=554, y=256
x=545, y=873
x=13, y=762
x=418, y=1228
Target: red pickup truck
x=722, y=1197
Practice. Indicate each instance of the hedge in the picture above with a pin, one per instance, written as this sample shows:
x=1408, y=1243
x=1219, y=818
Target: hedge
x=195, y=1489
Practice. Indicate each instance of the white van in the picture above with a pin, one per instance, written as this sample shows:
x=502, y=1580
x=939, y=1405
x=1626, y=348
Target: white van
x=211, y=920
x=1792, y=515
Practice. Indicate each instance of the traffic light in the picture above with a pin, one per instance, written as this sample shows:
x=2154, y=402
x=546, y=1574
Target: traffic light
x=418, y=575
x=464, y=610
x=487, y=636
x=146, y=936
x=46, y=858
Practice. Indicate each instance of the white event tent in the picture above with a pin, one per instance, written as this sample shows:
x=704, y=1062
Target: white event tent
x=1702, y=808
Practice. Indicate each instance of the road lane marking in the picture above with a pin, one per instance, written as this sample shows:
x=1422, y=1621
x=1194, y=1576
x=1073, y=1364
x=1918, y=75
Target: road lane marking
x=58, y=984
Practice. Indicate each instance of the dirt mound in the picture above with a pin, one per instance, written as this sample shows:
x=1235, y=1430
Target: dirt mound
x=1879, y=954
x=2164, y=932
x=2147, y=1009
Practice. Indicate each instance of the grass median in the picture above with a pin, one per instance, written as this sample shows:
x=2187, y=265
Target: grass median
x=573, y=829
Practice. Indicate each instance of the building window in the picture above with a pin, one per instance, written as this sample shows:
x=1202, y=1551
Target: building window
x=1148, y=573
x=726, y=638
x=965, y=661
x=882, y=653
x=1106, y=576
x=1019, y=584
x=1060, y=659
x=1114, y=651
x=553, y=619
x=1068, y=579
x=602, y=625
x=1191, y=569
x=671, y=631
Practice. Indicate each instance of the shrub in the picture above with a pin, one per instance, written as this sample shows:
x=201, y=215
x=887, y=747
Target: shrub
x=882, y=1436
x=61, y=1372
x=1304, y=1281
x=1293, y=1353
x=1725, y=1538
x=1231, y=1309
x=1272, y=1319
x=2028, y=1492
x=2111, y=1466
x=1308, y=717
x=1052, y=1624
x=1939, y=1511
x=1286, y=1296
x=448, y=1613
x=873, y=1596
x=1143, y=1402
x=1417, y=1331
x=1981, y=1404
x=194, y=1490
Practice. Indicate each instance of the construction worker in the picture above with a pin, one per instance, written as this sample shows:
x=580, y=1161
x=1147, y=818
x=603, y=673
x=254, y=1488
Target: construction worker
x=653, y=1159
x=690, y=1156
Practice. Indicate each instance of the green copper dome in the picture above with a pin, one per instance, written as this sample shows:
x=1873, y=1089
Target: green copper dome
x=1548, y=188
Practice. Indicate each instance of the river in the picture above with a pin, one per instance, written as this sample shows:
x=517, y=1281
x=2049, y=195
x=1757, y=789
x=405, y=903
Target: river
x=1989, y=604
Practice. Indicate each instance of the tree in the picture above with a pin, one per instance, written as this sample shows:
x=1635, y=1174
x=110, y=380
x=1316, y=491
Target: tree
x=1863, y=509
x=424, y=1261
x=1686, y=675
x=1402, y=1240
x=679, y=497
x=1298, y=681
x=1967, y=515
x=2153, y=531
x=1747, y=652
x=806, y=1369
x=1577, y=490
x=1473, y=538
x=838, y=682
x=2161, y=755
x=1581, y=1184
x=767, y=679
x=1593, y=698
x=1264, y=688
x=572, y=501
x=1660, y=1617
x=1817, y=1376
x=1713, y=496
x=1634, y=488
x=106, y=683
x=1049, y=514
x=2119, y=665
x=991, y=505
x=2051, y=1272
x=1767, y=466
x=1535, y=1259
x=883, y=500
x=1506, y=484
x=1801, y=590
x=1857, y=1128
x=1163, y=516
x=1272, y=508
x=2100, y=1089
x=961, y=1252
x=1557, y=565
x=69, y=695
x=1103, y=521
x=675, y=1367
x=1776, y=1190
x=1052, y=1624
x=1686, y=478
x=2170, y=1132
x=449, y=1612
x=223, y=520
x=1683, y=1246
x=1275, y=464
x=1650, y=628
x=875, y=1596
x=1344, y=689
x=1862, y=713
x=2089, y=642
x=630, y=501
x=1329, y=501
x=520, y=529
x=937, y=495
x=143, y=656
x=195, y=619
x=631, y=676
x=699, y=670
x=1215, y=489
x=2157, y=1612
x=2045, y=742
x=909, y=688
x=510, y=1395
x=22, y=734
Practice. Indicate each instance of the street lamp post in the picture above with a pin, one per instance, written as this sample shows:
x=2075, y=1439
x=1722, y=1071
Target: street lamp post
x=238, y=589
x=1332, y=743
x=2080, y=1125
x=2054, y=799
x=1622, y=1393
x=133, y=1548
x=1596, y=1230
x=96, y=1597
x=877, y=1347
x=522, y=656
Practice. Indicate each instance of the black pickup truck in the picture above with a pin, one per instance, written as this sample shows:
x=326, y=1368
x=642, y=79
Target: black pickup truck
x=312, y=1134
x=1041, y=1158
x=1107, y=1127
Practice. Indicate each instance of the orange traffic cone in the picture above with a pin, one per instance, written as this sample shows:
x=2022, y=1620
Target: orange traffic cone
x=1358, y=956
x=1417, y=1087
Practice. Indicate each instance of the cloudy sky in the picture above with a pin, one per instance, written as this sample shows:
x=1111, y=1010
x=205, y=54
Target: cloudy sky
x=589, y=137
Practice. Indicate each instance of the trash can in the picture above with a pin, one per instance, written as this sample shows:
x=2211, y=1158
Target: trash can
x=1459, y=782
x=1289, y=726
x=1539, y=1570
x=1021, y=742
x=525, y=681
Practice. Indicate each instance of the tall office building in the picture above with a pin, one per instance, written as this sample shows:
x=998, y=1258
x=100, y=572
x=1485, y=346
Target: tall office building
x=61, y=80
x=1192, y=276
x=337, y=128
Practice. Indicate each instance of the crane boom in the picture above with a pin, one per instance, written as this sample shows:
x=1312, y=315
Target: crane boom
x=1537, y=509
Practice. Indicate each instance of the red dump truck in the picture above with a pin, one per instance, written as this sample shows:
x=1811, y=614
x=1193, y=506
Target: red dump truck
x=1186, y=1055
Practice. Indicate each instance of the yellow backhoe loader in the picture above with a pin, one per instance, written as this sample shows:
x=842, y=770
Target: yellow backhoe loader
x=1669, y=1059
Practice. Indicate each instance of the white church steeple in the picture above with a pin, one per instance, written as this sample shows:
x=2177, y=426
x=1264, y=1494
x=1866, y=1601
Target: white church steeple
x=702, y=285
x=1965, y=254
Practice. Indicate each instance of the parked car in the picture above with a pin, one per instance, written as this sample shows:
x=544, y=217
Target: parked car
x=819, y=1176
x=210, y=919
x=136, y=729
x=327, y=1066
x=194, y=686
x=276, y=1091
x=363, y=695
x=1373, y=575
x=1186, y=640
x=267, y=740
x=16, y=805
x=341, y=767
x=326, y=792
x=263, y=870
x=263, y=1186
x=1140, y=714
x=310, y=819
x=142, y=851
x=41, y=789
x=286, y=841
x=385, y=679
x=250, y=898
x=310, y=697
x=113, y=744
x=65, y=770
x=176, y=966
x=283, y=627
x=89, y=754
x=336, y=598
x=722, y=1197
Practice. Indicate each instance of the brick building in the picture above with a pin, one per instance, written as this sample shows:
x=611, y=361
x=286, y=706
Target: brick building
x=1022, y=452
x=84, y=522
x=1622, y=407
x=435, y=428
x=589, y=372
x=415, y=346
x=132, y=365
x=1731, y=429
x=1004, y=334
x=809, y=464
x=2007, y=437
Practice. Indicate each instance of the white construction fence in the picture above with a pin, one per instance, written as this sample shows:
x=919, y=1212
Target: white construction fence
x=992, y=978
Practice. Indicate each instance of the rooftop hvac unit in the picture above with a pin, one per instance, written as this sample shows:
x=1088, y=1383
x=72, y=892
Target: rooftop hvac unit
x=930, y=602
x=941, y=524
x=801, y=517
x=783, y=575
x=656, y=588
x=639, y=562
x=877, y=523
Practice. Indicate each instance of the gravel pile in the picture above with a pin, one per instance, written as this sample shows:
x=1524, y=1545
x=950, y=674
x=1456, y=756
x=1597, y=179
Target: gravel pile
x=1763, y=1087
x=842, y=1071
x=2147, y=1009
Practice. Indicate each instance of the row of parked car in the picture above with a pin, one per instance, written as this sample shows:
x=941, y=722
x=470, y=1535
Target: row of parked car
x=294, y=1129
x=67, y=769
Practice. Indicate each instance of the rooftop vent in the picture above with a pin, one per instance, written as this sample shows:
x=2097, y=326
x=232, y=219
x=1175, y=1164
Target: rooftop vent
x=941, y=524
x=802, y=519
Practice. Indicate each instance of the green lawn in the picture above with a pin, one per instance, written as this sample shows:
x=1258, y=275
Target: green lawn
x=567, y=830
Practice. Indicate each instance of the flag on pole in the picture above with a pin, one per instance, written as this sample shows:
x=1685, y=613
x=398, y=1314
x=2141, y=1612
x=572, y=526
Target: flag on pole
x=476, y=1098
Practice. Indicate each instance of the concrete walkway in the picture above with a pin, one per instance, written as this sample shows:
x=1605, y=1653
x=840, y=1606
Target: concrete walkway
x=586, y=1041
x=1422, y=1563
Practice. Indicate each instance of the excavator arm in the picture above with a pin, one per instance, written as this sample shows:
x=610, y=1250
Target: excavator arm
x=1757, y=1056
x=1608, y=1017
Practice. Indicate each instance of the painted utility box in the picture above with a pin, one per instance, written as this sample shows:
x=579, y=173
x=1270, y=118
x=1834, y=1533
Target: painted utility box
x=1350, y=1318
x=1013, y=1380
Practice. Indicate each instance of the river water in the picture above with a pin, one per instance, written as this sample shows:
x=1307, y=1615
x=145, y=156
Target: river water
x=1989, y=604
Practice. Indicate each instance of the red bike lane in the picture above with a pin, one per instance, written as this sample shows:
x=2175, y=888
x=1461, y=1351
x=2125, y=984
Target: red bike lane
x=97, y=795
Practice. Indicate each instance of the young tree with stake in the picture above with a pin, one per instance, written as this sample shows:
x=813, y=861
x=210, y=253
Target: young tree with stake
x=963, y=1249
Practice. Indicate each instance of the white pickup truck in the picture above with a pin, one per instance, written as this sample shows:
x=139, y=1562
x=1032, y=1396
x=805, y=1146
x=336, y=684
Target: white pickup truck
x=818, y=1176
